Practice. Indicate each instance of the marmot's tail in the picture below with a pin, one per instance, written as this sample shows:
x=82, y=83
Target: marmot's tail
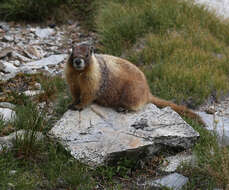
x=182, y=110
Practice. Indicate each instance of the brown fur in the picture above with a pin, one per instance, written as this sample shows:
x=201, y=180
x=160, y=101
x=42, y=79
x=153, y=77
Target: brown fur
x=113, y=82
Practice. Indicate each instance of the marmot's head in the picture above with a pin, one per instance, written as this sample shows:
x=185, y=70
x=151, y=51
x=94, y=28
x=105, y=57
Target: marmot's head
x=80, y=57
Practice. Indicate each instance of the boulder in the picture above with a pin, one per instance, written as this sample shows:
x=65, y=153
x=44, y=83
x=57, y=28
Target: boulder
x=99, y=135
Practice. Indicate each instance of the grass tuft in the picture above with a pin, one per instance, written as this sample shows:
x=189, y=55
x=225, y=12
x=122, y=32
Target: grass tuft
x=32, y=120
x=52, y=87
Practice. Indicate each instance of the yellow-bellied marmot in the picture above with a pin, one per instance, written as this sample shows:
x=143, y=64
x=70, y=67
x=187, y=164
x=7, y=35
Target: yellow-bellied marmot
x=110, y=81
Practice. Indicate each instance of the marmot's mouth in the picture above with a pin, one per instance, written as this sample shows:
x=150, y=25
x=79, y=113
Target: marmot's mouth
x=79, y=65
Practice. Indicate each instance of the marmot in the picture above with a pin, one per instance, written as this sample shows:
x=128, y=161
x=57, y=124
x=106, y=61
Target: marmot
x=110, y=81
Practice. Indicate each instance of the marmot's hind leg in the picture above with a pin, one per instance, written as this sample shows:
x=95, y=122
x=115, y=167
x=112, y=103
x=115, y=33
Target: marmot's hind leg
x=133, y=97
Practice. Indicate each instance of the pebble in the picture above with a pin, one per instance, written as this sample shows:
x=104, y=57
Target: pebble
x=8, y=39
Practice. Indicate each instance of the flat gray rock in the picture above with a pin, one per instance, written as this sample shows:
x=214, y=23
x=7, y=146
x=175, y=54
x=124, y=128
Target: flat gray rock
x=98, y=135
x=173, y=181
x=52, y=60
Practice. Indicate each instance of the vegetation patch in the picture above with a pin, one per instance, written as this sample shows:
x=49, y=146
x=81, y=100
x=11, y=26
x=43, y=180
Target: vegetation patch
x=31, y=10
x=52, y=168
x=59, y=11
x=211, y=166
x=29, y=111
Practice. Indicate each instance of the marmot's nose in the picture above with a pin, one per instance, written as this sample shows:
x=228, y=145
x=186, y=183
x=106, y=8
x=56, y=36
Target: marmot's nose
x=77, y=61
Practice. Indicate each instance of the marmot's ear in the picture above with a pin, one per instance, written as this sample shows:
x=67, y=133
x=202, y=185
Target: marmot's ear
x=91, y=48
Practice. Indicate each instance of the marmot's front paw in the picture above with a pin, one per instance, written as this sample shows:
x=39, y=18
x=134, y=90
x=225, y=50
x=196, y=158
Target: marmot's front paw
x=74, y=107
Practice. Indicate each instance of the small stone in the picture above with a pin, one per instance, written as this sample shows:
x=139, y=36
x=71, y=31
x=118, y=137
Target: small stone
x=5, y=52
x=34, y=51
x=6, y=141
x=7, y=67
x=32, y=29
x=7, y=105
x=17, y=38
x=12, y=172
x=37, y=86
x=16, y=63
x=20, y=57
x=173, y=162
x=210, y=110
x=174, y=181
x=29, y=55
x=44, y=33
x=4, y=26
x=7, y=114
x=5, y=77
x=33, y=92
x=8, y=38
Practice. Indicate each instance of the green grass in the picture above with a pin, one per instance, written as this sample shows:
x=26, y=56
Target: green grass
x=182, y=48
x=35, y=163
x=211, y=169
x=52, y=87
x=28, y=9
x=54, y=11
x=32, y=120
x=53, y=168
x=2, y=123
